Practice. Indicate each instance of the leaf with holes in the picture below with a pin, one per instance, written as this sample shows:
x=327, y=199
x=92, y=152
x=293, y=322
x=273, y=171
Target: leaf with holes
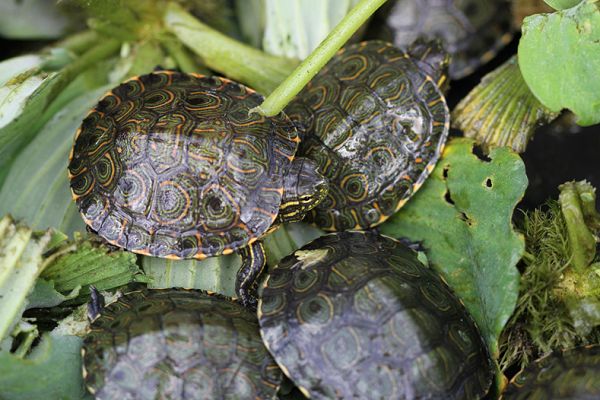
x=559, y=56
x=463, y=213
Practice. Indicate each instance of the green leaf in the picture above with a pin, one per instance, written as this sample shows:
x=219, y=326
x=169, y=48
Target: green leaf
x=463, y=212
x=36, y=189
x=45, y=296
x=51, y=371
x=562, y=4
x=26, y=124
x=501, y=110
x=559, y=55
x=81, y=262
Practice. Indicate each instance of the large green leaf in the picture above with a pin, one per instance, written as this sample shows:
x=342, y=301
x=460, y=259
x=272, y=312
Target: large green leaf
x=463, y=213
x=559, y=55
x=51, y=371
x=36, y=189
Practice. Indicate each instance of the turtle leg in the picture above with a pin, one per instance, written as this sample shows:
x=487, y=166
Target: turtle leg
x=253, y=263
x=95, y=305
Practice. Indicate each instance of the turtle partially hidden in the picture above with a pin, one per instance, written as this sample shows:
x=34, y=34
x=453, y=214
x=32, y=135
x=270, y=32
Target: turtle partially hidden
x=472, y=31
x=375, y=120
x=176, y=344
x=355, y=315
x=172, y=165
x=569, y=374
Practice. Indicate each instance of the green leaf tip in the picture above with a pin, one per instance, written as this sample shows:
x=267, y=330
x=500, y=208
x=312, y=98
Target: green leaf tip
x=559, y=54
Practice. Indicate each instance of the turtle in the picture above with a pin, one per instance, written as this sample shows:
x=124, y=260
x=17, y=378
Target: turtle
x=568, y=374
x=472, y=31
x=173, y=165
x=176, y=344
x=356, y=315
x=375, y=121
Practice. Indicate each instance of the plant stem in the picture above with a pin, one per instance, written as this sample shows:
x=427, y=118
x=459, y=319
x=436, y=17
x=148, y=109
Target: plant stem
x=182, y=57
x=318, y=58
x=243, y=63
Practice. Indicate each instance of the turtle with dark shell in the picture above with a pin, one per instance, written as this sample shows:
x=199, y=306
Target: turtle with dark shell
x=356, y=315
x=176, y=344
x=375, y=120
x=173, y=165
x=472, y=31
x=569, y=374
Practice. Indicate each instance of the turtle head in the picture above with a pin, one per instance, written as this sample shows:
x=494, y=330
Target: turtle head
x=431, y=57
x=303, y=189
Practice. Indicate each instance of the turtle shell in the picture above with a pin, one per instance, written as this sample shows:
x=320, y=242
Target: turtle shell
x=355, y=315
x=472, y=31
x=177, y=344
x=376, y=123
x=569, y=374
x=172, y=165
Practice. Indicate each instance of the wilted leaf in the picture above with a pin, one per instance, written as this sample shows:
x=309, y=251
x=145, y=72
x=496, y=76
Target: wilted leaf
x=559, y=55
x=463, y=213
x=20, y=264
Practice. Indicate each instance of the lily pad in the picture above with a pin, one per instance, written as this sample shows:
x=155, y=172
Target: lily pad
x=463, y=213
x=559, y=55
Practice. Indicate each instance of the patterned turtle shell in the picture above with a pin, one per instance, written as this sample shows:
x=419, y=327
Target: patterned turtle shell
x=472, y=31
x=177, y=344
x=570, y=374
x=173, y=165
x=355, y=315
x=375, y=121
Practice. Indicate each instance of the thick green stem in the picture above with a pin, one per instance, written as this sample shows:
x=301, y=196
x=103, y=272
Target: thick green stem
x=79, y=42
x=93, y=55
x=243, y=63
x=582, y=242
x=318, y=58
x=181, y=56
